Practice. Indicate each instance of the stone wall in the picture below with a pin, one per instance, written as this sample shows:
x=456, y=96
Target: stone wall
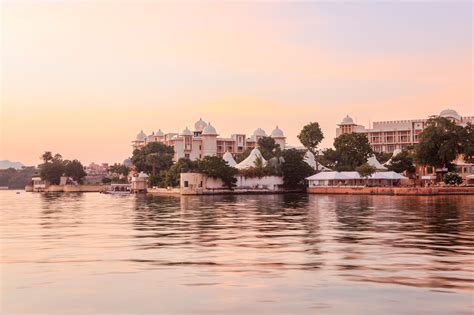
x=405, y=191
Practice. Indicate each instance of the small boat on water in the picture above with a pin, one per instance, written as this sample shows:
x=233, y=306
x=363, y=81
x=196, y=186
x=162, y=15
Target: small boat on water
x=118, y=189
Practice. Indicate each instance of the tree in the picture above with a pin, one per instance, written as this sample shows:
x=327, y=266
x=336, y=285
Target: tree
x=173, y=174
x=467, y=140
x=267, y=147
x=47, y=156
x=440, y=143
x=153, y=158
x=366, y=170
x=52, y=171
x=294, y=169
x=310, y=137
x=119, y=169
x=402, y=162
x=75, y=170
x=216, y=167
x=452, y=179
x=383, y=157
x=351, y=151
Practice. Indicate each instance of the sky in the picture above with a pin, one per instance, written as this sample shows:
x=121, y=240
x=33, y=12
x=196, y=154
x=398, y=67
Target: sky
x=83, y=78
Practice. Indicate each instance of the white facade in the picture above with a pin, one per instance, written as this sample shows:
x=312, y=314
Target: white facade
x=197, y=183
x=205, y=141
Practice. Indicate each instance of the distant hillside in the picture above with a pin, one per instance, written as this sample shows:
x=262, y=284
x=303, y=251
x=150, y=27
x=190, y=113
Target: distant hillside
x=4, y=164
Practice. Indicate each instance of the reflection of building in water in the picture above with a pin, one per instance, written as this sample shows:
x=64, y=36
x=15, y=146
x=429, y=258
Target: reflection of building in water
x=204, y=141
x=388, y=136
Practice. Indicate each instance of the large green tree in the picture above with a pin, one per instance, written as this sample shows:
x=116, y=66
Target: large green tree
x=294, y=169
x=173, y=174
x=119, y=169
x=351, y=151
x=310, y=137
x=153, y=158
x=268, y=147
x=402, y=162
x=214, y=166
x=467, y=141
x=75, y=170
x=52, y=169
x=440, y=143
x=366, y=170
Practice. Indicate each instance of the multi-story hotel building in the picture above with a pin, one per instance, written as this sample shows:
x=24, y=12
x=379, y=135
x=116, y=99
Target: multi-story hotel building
x=388, y=136
x=204, y=141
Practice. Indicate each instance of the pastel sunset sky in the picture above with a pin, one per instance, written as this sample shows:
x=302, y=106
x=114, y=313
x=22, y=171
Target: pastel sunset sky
x=83, y=78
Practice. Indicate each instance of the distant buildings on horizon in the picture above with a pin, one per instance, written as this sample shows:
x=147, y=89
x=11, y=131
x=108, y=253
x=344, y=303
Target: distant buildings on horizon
x=388, y=136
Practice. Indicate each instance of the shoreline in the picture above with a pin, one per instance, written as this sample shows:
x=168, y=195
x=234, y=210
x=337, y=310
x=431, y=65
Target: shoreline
x=392, y=191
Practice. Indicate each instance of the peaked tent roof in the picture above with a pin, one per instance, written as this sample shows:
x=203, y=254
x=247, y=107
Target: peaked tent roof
x=329, y=176
x=229, y=159
x=372, y=161
x=251, y=159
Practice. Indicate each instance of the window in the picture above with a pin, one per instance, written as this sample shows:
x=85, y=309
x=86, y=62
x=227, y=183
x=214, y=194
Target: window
x=200, y=184
x=186, y=184
x=429, y=170
x=186, y=155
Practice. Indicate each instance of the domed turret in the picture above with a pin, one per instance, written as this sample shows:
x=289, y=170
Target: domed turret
x=209, y=131
x=347, y=121
x=259, y=132
x=186, y=132
x=277, y=133
x=200, y=125
x=159, y=133
x=450, y=113
x=141, y=136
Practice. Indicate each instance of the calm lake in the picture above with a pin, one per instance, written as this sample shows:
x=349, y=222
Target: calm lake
x=277, y=254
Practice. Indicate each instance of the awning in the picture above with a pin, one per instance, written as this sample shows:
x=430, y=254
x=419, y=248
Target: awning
x=428, y=177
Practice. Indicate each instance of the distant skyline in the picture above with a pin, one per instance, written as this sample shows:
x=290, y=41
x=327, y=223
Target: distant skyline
x=83, y=78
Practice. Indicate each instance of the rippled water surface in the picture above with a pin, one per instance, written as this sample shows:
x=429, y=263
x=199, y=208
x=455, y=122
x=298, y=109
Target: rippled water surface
x=103, y=254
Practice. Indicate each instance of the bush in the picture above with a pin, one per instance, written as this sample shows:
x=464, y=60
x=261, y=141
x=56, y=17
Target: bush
x=452, y=179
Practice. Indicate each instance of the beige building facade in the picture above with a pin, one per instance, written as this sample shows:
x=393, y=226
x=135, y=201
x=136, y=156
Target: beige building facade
x=388, y=136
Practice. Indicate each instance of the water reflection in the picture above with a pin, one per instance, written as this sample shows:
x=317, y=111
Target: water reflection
x=299, y=244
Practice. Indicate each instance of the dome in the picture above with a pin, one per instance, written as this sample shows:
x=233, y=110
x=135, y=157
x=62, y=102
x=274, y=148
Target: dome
x=347, y=121
x=200, y=125
x=127, y=162
x=277, y=133
x=141, y=136
x=186, y=132
x=159, y=133
x=209, y=130
x=450, y=113
x=259, y=132
x=142, y=175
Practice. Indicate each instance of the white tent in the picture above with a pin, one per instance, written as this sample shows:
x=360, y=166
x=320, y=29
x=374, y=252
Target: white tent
x=229, y=159
x=329, y=176
x=311, y=161
x=372, y=161
x=251, y=160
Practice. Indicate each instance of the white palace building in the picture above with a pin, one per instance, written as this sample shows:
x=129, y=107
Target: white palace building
x=388, y=136
x=204, y=141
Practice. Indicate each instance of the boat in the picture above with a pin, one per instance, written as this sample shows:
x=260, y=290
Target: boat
x=118, y=189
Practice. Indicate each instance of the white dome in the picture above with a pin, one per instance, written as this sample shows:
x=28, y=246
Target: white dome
x=200, y=125
x=259, y=132
x=141, y=136
x=347, y=121
x=186, y=132
x=277, y=133
x=209, y=130
x=229, y=159
x=159, y=133
x=450, y=113
x=142, y=175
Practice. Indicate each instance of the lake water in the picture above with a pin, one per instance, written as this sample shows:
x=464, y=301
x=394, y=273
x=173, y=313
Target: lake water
x=277, y=254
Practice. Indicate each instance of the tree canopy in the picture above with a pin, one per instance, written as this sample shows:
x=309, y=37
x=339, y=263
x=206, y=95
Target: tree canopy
x=294, y=169
x=216, y=167
x=311, y=136
x=366, y=170
x=268, y=147
x=153, y=158
x=402, y=162
x=351, y=151
x=440, y=142
x=54, y=167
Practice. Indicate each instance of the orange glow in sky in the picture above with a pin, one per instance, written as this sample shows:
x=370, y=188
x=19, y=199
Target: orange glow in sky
x=83, y=78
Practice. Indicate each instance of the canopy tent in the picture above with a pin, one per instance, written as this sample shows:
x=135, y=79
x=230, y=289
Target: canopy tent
x=311, y=161
x=353, y=178
x=251, y=160
x=372, y=161
x=395, y=153
x=229, y=159
x=329, y=176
